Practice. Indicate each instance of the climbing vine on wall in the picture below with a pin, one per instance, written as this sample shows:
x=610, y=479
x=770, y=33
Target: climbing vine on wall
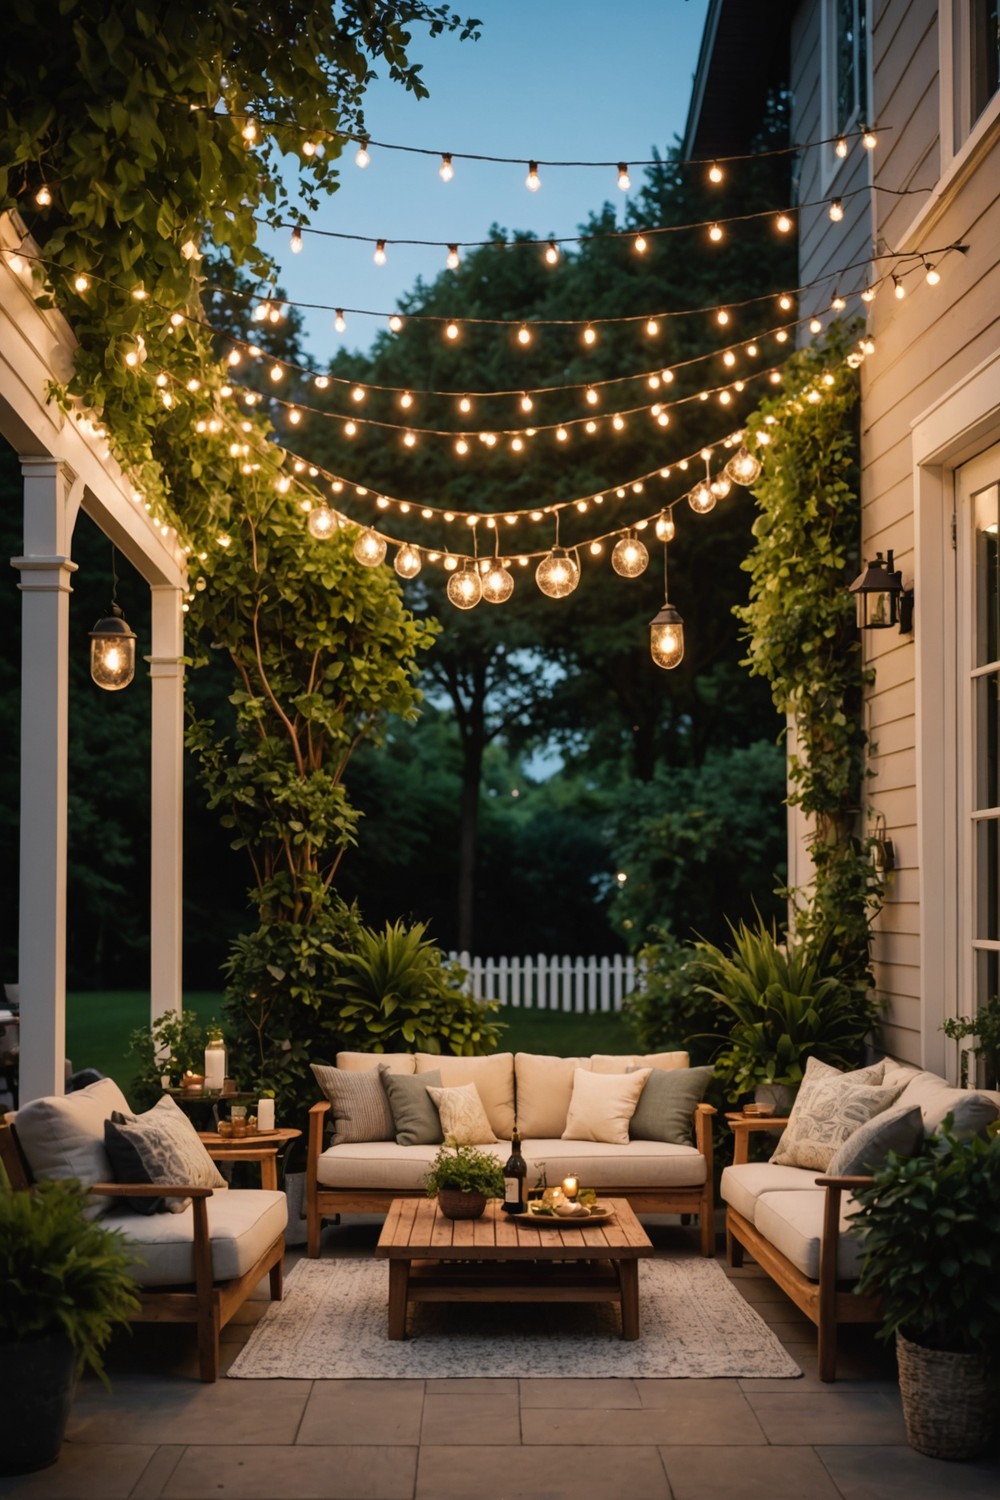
x=799, y=626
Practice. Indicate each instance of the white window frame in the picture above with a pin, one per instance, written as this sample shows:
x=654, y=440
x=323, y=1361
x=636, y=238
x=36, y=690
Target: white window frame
x=958, y=131
x=963, y=424
x=830, y=125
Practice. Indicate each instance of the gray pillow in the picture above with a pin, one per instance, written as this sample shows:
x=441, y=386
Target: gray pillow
x=360, y=1108
x=414, y=1114
x=667, y=1104
x=900, y=1129
x=973, y=1113
x=159, y=1146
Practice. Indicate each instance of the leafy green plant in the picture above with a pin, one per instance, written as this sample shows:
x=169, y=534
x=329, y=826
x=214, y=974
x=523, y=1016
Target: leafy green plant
x=175, y=1043
x=985, y=1027
x=397, y=986
x=930, y=1226
x=669, y=1007
x=61, y=1272
x=465, y=1169
x=799, y=626
x=785, y=1002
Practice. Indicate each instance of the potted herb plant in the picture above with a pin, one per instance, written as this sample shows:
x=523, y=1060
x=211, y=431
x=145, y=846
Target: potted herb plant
x=784, y=1002
x=64, y=1285
x=931, y=1224
x=463, y=1179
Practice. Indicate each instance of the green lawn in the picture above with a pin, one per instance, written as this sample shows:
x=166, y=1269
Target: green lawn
x=98, y=1026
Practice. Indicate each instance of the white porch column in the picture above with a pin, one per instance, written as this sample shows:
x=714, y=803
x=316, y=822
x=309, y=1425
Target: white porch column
x=166, y=801
x=51, y=500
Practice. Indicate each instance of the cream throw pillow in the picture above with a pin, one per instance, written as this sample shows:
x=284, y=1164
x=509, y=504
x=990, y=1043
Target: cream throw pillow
x=828, y=1108
x=602, y=1104
x=463, y=1118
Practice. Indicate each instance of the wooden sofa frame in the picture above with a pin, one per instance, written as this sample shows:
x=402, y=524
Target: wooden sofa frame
x=827, y=1302
x=326, y=1202
x=208, y=1304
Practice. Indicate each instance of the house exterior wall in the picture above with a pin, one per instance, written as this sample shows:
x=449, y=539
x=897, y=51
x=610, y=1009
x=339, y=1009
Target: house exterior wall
x=930, y=402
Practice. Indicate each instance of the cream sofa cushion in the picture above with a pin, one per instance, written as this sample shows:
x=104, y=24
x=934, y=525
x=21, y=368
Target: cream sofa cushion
x=652, y=1164
x=360, y=1062
x=793, y=1224
x=62, y=1136
x=382, y=1166
x=973, y=1109
x=544, y=1087
x=623, y=1062
x=602, y=1104
x=242, y=1223
x=743, y=1185
x=493, y=1077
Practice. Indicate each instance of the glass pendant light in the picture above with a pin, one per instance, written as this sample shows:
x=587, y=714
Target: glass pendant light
x=112, y=644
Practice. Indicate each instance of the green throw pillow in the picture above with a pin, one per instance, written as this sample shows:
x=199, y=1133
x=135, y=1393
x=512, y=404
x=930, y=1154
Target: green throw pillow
x=667, y=1103
x=413, y=1111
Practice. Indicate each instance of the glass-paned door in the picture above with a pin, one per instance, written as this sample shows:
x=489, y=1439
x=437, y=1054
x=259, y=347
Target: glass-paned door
x=978, y=500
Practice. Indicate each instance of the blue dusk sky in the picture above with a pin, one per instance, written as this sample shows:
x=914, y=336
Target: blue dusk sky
x=558, y=79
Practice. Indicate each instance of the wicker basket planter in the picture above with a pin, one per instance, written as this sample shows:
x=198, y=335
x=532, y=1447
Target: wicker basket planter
x=455, y=1204
x=950, y=1401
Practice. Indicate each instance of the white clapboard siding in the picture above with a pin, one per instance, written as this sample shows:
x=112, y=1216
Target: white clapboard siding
x=550, y=983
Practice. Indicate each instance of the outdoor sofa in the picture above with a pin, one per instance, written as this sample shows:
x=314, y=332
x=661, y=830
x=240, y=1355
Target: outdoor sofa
x=366, y=1166
x=795, y=1220
x=204, y=1247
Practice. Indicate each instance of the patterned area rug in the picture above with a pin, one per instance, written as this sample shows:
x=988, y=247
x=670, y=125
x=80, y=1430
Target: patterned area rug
x=331, y=1325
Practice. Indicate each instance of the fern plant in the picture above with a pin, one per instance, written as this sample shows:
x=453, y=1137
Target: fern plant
x=60, y=1271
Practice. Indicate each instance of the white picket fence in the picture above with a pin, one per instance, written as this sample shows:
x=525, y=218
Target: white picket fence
x=552, y=983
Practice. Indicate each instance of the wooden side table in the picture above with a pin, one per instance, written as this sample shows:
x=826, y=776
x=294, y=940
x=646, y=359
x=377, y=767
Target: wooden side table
x=262, y=1146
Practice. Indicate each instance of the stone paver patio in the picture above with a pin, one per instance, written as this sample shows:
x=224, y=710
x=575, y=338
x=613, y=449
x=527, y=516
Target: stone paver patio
x=162, y=1435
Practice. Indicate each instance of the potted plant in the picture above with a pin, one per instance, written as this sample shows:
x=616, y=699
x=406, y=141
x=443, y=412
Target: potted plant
x=463, y=1179
x=786, y=1002
x=64, y=1285
x=931, y=1224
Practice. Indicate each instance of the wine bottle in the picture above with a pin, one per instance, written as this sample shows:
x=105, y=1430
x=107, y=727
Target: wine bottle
x=515, y=1173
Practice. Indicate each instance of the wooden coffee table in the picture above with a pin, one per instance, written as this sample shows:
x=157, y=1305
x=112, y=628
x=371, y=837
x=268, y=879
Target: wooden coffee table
x=497, y=1259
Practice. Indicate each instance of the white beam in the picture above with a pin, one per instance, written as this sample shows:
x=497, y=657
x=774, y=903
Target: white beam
x=167, y=802
x=51, y=499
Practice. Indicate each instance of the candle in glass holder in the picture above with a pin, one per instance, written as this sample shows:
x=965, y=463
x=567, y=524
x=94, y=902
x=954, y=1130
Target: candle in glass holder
x=570, y=1187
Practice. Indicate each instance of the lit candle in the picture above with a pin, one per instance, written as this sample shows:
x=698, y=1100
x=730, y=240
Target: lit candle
x=570, y=1187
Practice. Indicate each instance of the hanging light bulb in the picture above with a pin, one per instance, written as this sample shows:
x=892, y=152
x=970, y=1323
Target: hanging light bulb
x=666, y=528
x=815, y=326
x=498, y=583
x=715, y=173
x=841, y=147
x=80, y=283
x=395, y=323
x=624, y=180
x=322, y=522
x=743, y=467
x=898, y=288
x=558, y=573
x=526, y=403
x=524, y=335
x=629, y=557
x=868, y=138
x=838, y=304
x=339, y=322
x=296, y=240
x=112, y=644
x=589, y=334
x=933, y=275
x=652, y=328
x=370, y=548
x=640, y=244
x=720, y=486
x=446, y=171
x=451, y=330
x=44, y=198
x=379, y=257
x=591, y=396
x=783, y=224
x=454, y=259
x=836, y=209
x=552, y=253
x=465, y=404
x=701, y=498
x=666, y=631
x=465, y=589
x=532, y=182
x=362, y=158
x=407, y=561
x=715, y=233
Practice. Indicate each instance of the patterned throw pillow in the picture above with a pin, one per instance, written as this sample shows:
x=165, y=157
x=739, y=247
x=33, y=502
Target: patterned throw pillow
x=828, y=1108
x=160, y=1146
x=360, y=1108
x=463, y=1118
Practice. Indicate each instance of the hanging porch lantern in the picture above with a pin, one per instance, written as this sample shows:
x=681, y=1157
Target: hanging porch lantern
x=112, y=644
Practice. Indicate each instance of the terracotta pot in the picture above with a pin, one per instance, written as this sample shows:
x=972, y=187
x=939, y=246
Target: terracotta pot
x=455, y=1204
